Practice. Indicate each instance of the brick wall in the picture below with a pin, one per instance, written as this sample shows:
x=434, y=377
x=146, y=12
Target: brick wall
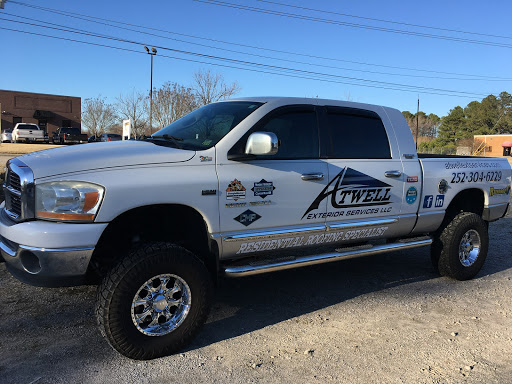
x=49, y=111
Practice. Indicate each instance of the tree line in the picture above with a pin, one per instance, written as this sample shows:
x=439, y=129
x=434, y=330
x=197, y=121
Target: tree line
x=491, y=116
x=169, y=102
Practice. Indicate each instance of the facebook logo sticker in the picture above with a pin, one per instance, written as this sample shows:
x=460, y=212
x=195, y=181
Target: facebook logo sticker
x=427, y=202
x=439, y=201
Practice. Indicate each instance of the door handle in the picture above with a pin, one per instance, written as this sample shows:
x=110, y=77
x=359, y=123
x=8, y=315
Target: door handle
x=392, y=173
x=312, y=176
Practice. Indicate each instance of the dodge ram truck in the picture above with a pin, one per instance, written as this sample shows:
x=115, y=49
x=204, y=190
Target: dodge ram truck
x=237, y=188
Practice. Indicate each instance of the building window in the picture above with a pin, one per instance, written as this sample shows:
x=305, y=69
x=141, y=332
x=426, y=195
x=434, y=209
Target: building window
x=506, y=151
x=66, y=123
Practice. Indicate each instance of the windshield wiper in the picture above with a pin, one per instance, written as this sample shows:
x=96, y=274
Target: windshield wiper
x=174, y=139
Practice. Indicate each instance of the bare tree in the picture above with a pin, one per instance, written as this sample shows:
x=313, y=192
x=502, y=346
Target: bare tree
x=171, y=102
x=132, y=106
x=427, y=124
x=211, y=87
x=98, y=116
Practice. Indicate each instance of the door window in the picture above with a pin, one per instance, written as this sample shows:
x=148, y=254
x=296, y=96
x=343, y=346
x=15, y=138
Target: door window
x=352, y=135
x=297, y=132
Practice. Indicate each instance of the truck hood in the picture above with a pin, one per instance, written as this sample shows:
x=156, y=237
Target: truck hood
x=95, y=156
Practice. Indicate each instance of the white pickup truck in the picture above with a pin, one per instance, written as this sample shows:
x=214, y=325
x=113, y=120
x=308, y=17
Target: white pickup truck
x=28, y=132
x=238, y=188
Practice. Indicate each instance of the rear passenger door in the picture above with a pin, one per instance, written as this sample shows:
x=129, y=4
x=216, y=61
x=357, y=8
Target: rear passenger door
x=365, y=191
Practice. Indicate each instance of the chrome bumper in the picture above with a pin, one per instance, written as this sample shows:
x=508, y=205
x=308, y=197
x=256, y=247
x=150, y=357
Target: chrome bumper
x=46, y=266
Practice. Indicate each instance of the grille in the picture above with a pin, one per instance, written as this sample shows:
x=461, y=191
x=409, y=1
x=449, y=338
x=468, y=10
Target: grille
x=14, y=181
x=19, y=191
x=15, y=205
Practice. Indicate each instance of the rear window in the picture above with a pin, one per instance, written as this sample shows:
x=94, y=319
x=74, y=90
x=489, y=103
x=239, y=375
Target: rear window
x=113, y=135
x=69, y=130
x=28, y=126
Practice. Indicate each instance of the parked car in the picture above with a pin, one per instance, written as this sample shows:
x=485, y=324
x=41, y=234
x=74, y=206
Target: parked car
x=68, y=135
x=28, y=132
x=7, y=136
x=110, y=137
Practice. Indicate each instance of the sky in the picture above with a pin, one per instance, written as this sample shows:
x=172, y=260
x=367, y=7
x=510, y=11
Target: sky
x=377, y=52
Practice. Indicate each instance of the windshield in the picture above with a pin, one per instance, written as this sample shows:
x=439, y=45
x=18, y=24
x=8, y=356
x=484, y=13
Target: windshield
x=206, y=126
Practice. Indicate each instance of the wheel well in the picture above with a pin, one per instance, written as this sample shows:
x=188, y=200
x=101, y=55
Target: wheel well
x=178, y=224
x=469, y=200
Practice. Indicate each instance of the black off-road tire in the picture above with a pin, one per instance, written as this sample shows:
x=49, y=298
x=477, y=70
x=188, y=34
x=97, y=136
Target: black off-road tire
x=446, y=246
x=119, y=287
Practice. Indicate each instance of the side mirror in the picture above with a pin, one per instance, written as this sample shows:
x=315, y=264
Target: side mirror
x=261, y=143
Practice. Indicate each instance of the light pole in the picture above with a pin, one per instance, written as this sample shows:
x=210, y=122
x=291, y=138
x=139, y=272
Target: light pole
x=152, y=53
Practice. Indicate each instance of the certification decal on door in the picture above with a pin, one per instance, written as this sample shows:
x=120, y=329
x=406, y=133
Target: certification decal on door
x=235, y=190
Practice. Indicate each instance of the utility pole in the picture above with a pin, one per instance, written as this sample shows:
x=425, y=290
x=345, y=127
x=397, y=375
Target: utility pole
x=417, y=122
x=152, y=53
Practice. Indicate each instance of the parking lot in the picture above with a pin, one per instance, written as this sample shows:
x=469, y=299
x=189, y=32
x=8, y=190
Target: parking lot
x=384, y=318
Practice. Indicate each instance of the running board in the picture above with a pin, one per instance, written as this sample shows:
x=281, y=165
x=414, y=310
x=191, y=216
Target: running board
x=303, y=261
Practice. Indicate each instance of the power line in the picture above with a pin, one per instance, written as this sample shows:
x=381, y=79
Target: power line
x=245, y=69
x=354, y=25
x=385, y=20
x=243, y=62
x=263, y=56
x=94, y=19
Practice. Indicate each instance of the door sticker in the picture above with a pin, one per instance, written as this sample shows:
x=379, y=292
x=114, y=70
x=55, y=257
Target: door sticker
x=411, y=195
x=352, y=189
x=247, y=218
x=235, y=190
x=263, y=188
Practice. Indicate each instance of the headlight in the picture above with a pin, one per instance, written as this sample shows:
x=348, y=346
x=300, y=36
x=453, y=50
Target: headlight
x=68, y=200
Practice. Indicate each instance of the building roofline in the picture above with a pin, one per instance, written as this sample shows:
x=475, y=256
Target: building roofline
x=38, y=93
x=506, y=134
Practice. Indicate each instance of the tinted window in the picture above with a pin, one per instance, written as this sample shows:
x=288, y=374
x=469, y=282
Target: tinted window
x=353, y=136
x=297, y=134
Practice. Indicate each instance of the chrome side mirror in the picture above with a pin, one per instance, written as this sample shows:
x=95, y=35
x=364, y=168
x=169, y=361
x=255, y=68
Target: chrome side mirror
x=261, y=143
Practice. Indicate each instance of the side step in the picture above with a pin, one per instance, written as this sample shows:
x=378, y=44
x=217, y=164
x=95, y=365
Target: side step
x=342, y=253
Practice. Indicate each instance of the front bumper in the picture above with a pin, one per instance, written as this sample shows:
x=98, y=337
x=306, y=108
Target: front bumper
x=46, y=267
x=46, y=253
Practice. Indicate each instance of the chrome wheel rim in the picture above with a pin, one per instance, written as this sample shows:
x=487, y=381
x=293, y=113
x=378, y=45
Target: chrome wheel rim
x=469, y=248
x=161, y=304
